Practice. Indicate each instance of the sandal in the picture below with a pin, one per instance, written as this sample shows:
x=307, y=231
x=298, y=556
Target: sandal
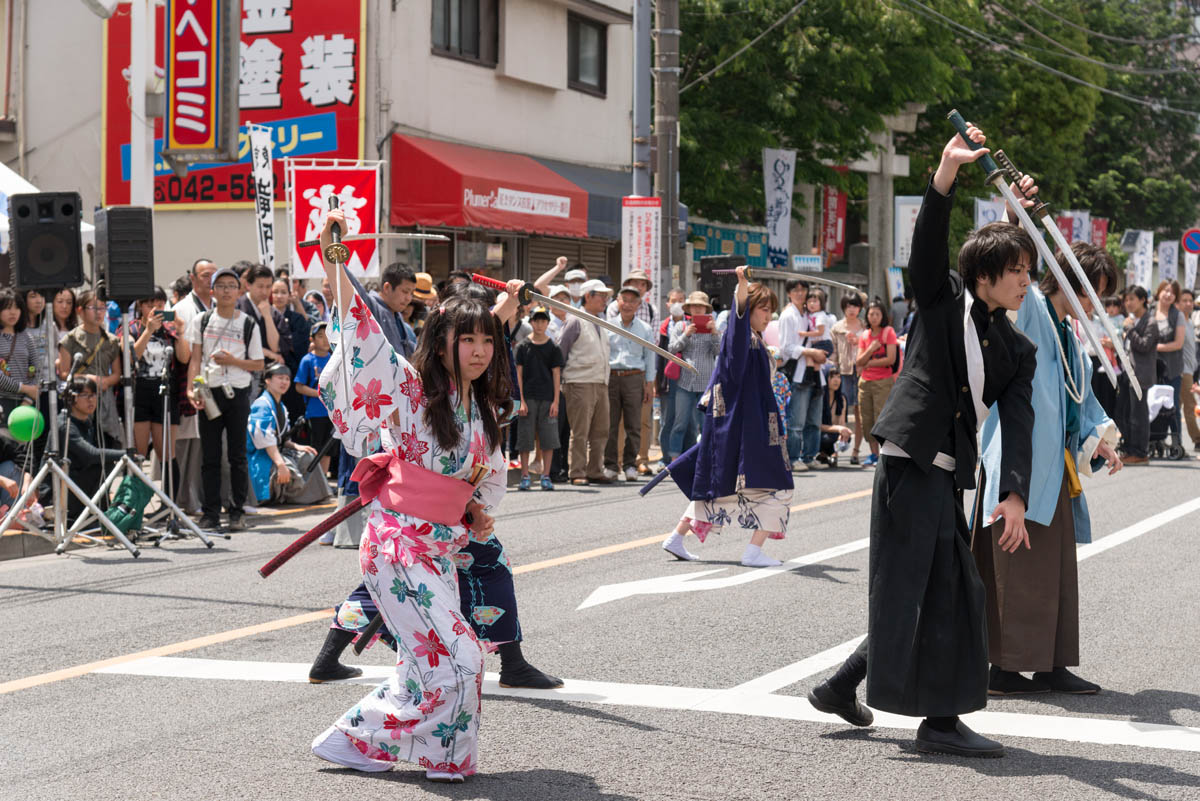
x=579, y=482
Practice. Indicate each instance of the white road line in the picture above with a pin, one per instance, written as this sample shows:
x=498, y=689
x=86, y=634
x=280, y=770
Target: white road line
x=693, y=582
x=741, y=700
x=799, y=671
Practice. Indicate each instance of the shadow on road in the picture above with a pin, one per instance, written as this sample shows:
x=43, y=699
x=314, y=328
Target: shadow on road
x=1146, y=706
x=544, y=785
x=571, y=708
x=1106, y=775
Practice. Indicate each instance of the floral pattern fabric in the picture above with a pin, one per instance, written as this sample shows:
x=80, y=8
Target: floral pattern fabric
x=428, y=711
x=768, y=510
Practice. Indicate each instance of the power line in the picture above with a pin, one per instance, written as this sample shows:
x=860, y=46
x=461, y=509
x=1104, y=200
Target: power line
x=1123, y=40
x=1155, y=103
x=1083, y=57
x=747, y=46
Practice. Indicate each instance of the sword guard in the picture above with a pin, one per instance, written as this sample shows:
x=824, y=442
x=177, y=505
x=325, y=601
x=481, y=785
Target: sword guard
x=337, y=253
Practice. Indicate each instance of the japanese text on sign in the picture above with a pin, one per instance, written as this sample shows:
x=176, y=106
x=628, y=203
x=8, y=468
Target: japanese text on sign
x=193, y=57
x=641, y=223
x=264, y=193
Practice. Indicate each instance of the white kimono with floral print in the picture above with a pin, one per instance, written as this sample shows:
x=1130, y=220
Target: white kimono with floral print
x=428, y=712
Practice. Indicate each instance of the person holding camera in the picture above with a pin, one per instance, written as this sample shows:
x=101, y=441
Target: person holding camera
x=101, y=361
x=159, y=353
x=88, y=457
x=226, y=349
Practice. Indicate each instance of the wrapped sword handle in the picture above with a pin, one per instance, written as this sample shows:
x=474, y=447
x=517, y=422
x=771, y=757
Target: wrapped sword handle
x=987, y=162
x=1014, y=176
x=337, y=252
x=525, y=296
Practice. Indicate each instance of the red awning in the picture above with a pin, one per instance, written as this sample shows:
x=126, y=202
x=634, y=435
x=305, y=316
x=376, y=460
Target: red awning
x=457, y=186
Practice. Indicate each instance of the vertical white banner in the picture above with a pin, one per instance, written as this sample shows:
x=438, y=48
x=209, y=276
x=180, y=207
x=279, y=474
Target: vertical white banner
x=264, y=192
x=779, y=181
x=905, y=208
x=895, y=282
x=988, y=211
x=1081, y=226
x=1141, y=261
x=1168, y=260
x=1189, y=270
x=641, y=222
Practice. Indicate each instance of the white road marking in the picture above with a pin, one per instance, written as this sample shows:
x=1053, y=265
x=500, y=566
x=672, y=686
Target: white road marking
x=690, y=582
x=741, y=700
x=799, y=671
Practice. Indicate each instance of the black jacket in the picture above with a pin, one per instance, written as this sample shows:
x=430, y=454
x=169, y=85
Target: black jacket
x=930, y=408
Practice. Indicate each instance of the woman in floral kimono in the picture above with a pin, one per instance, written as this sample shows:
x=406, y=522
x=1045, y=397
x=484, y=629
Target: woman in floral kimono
x=439, y=472
x=739, y=471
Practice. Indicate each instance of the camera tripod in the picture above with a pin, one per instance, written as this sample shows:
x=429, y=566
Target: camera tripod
x=126, y=465
x=55, y=464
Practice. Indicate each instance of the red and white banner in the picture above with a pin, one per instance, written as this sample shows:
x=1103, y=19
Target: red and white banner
x=196, y=40
x=301, y=74
x=357, y=190
x=1067, y=226
x=641, y=225
x=1100, y=232
x=833, y=224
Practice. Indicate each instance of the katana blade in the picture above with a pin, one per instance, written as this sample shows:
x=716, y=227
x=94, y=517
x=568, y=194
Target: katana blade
x=1042, y=211
x=312, y=243
x=996, y=177
x=814, y=277
x=528, y=294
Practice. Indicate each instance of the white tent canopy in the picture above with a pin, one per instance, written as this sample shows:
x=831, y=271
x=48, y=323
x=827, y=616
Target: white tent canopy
x=13, y=184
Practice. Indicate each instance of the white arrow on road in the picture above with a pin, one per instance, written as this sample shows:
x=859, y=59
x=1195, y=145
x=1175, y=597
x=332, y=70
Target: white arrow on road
x=691, y=582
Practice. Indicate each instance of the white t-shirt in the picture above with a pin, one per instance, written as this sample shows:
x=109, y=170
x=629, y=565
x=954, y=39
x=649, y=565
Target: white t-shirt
x=226, y=334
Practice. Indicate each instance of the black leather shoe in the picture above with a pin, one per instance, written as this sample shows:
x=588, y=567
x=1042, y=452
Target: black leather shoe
x=1008, y=682
x=209, y=523
x=960, y=742
x=237, y=521
x=824, y=699
x=1061, y=680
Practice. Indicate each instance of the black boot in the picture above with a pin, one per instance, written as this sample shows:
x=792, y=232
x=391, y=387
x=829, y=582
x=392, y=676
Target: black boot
x=327, y=667
x=1010, y=682
x=516, y=672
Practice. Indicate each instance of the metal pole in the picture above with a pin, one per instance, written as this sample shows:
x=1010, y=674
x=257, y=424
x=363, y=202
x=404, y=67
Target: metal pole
x=666, y=130
x=641, y=98
x=141, y=141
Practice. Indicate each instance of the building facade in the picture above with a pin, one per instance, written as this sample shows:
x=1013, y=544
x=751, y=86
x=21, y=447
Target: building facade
x=522, y=106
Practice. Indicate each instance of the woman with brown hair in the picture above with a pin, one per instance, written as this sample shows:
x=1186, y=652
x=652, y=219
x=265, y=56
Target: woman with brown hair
x=878, y=359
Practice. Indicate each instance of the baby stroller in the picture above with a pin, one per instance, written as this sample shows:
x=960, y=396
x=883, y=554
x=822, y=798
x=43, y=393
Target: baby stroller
x=1160, y=399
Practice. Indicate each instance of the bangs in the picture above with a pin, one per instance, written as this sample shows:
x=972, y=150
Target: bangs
x=469, y=316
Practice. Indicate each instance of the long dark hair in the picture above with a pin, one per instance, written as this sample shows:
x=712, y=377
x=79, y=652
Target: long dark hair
x=10, y=299
x=491, y=391
x=884, y=322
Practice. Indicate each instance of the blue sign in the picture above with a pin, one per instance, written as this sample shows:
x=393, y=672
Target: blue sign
x=1191, y=240
x=298, y=136
x=718, y=240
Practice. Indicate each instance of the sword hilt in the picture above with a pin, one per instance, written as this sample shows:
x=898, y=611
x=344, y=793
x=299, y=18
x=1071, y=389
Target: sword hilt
x=336, y=252
x=986, y=162
x=524, y=296
x=1014, y=176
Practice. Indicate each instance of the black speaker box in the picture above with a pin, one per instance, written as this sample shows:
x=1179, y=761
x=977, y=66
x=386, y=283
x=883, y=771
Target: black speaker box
x=46, y=249
x=719, y=288
x=125, y=252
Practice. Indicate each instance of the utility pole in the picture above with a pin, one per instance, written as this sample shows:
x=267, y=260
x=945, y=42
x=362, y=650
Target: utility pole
x=666, y=134
x=642, y=103
x=141, y=144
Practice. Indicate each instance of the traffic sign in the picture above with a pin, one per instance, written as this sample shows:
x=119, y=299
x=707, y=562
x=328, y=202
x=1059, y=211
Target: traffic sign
x=1191, y=240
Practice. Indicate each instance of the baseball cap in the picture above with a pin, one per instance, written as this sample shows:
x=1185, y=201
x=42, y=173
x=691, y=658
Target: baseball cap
x=575, y=275
x=275, y=368
x=539, y=313
x=221, y=272
x=595, y=285
x=633, y=290
x=317, y=328
x=558, y=289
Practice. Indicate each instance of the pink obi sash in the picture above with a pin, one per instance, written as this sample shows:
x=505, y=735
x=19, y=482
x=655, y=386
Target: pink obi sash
x=412, y=489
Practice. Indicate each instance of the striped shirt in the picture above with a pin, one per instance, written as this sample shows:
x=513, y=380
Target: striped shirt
x=15, y=367
x=698, y=350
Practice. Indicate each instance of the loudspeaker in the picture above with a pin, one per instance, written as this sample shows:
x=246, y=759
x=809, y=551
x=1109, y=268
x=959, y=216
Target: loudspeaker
x=719, y=288
x=46, y=248
x=125, y=252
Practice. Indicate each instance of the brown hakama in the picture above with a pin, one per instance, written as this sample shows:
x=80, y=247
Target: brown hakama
x=1033, y=594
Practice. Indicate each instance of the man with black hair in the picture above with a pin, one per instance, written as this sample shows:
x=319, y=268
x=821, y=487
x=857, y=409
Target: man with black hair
x=927, y=632
x=257, y=280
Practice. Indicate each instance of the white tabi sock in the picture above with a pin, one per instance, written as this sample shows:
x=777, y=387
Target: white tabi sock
x=674, y=546
x=753, y=556
x=332, y=745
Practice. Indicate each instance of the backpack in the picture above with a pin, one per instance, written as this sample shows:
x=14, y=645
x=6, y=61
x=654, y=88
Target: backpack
x=246, y=334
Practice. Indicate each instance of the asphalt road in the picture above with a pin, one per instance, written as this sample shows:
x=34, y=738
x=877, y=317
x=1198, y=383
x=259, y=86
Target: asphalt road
x=677, y=688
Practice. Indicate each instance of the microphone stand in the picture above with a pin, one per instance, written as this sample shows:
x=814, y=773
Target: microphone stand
x=127, y=465
x=55, y=465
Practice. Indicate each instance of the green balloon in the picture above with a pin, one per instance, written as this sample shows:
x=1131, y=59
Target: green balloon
x=26, y=423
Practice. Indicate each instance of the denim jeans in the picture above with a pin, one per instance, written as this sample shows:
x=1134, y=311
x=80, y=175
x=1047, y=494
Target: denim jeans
x=666, y=422
x=804, y=422
x=688, y=420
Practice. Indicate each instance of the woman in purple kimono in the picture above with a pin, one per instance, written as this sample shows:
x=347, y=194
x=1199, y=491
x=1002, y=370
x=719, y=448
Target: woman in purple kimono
x=739, y=472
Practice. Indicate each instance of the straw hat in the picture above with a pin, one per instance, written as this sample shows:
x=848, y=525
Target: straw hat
x=424, y=288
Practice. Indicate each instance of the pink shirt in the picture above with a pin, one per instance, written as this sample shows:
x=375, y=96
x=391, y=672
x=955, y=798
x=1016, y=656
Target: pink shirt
x=888, y=337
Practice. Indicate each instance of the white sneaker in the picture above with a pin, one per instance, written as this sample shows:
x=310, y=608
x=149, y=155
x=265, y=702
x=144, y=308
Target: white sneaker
x=631, y=474
x=753, y=556
x=799, y=466
x=674, y=546
x=611, y=475
x=332, y=745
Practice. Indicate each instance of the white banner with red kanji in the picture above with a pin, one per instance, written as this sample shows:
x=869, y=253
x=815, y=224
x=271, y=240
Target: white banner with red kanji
x=641, y=225
x=310, y=185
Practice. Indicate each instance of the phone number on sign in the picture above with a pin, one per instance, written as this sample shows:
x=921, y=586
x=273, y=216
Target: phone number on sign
x=204, y=188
